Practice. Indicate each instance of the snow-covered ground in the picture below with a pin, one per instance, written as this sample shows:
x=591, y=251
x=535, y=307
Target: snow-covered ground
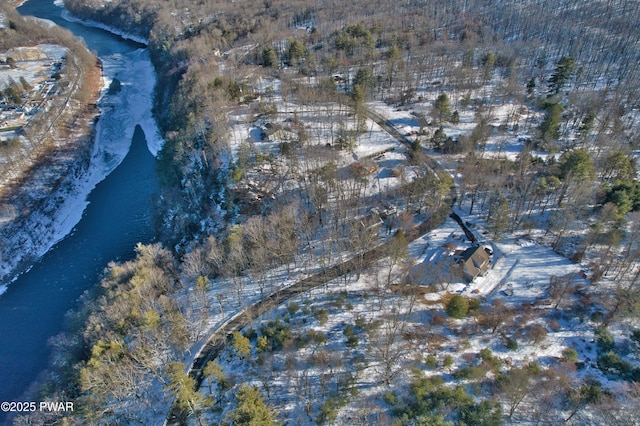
x=120, y=113
x=506, y=143
x=519, y=264
x=524, y=268
x=31, y=70
x=519, y=279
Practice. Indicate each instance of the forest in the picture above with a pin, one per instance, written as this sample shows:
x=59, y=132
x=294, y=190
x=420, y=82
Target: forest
x=327, y=167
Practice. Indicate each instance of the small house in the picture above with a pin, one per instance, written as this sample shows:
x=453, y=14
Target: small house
x=363, y=168
x=474, y=262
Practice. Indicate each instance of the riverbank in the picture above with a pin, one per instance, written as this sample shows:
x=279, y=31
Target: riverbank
x=42, y=224
x=16, y=3
x=38, y=196
x=104, y=210
x=89, y=23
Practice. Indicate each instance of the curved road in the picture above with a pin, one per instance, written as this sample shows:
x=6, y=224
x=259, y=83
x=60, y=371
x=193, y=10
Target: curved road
x=221, y=336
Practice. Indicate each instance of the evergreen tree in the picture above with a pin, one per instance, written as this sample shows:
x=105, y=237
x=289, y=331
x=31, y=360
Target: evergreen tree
x=438, y=139
x=203, y=284
x=251, y=409
x=586, y=125
x=358, y=96
x=564, y=69
x=550, y=126
x=241, y=344
x=345, y=138
x=578, y=164
x=485, y=413
x=295, y=52
x=498, y=217
x=455, y=117
x=269, y=57
x=619, y=166
x=531, y=86
x=442, y=108
x=488, y=65
x=365, y=78
x=182, y=386
x=457, y=306
x=213, y=370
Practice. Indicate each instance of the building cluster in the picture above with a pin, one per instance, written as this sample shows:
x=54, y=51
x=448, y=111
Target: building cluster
x=28, y=78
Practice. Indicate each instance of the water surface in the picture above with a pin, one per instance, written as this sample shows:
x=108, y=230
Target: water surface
x=117, y=216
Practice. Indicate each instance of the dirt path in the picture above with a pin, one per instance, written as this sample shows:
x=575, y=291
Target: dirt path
x=221, y=337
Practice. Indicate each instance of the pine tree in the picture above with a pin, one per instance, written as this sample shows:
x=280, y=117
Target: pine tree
x=564, y=69
x=550, y=126
x=295, y=52
x=442, y=108
x=241, y=344
x=531, y=86
x=182, y=386
x=269, y=57
x=438, y=139
x=457, y=307
x=365, y=78
x=251, y=409
x=498, y=217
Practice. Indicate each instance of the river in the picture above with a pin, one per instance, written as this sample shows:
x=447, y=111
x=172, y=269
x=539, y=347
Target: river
x=112, y=213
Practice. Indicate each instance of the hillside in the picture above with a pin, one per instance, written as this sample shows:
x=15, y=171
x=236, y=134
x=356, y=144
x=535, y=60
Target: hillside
x=305, y=139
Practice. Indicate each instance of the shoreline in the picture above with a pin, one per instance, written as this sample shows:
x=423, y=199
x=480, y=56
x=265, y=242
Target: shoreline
x=94, y=24
x=14, y=261
x=16, y=3
x=121, y=116
x=38, y=233
x=34, y=229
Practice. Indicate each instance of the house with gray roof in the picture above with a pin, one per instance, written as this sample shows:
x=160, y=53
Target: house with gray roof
x=474, y=262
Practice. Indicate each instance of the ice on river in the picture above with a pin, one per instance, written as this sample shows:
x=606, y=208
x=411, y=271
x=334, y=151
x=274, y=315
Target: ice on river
x=120, y=113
